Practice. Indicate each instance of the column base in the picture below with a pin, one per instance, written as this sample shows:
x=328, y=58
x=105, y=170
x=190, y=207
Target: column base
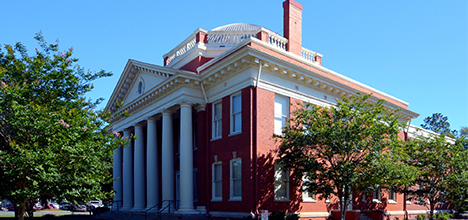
x=187, y=210
x=126, y=208
x=137, y=208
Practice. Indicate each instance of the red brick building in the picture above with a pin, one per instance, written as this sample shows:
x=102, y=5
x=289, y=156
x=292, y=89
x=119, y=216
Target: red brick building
x=205, y=123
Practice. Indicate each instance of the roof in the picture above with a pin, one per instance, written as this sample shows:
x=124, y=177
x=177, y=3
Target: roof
x=238, y=27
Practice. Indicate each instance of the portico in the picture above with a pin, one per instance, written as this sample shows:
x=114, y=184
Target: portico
x=142, y=166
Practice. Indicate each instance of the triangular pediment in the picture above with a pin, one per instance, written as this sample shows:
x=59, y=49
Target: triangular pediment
x=136, y=79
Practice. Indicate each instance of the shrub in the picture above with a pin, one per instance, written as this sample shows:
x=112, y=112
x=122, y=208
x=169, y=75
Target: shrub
x=443, y=215
x=277, y=215
x=421, y=217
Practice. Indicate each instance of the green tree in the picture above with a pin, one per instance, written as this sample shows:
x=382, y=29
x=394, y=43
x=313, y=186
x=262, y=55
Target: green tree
x=52, y=141
x=442, y=164
x=438, y=123
x=344, y=149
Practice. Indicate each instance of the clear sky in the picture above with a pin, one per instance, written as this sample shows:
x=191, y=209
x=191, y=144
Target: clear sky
x=416, y=50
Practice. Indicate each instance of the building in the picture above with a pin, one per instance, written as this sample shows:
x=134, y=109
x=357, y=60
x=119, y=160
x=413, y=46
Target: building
x=205, y=123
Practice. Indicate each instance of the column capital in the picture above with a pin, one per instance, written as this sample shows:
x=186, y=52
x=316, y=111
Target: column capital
x=153, y=119
x=200, y=107
x=167, y=111
x=185, y=104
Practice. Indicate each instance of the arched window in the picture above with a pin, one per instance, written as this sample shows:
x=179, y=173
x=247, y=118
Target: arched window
x=140, y=87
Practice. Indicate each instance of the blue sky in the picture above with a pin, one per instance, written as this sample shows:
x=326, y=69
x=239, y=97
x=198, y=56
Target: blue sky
x=416, y=51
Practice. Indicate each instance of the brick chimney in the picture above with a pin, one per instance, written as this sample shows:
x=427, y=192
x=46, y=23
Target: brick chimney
x=293, y=26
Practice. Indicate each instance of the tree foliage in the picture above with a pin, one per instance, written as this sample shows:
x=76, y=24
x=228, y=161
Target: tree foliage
x=52, y=140
x=442, y=162
x=344, y=149
x=438, y=123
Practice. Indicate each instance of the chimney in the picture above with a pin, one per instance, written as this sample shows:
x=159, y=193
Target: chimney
x=293, y=26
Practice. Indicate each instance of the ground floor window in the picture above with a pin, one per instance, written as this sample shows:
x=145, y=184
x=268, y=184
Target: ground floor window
x=281, y=182
x=217, y=177
x=236, y=179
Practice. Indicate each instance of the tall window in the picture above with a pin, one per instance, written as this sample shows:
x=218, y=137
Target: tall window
x=236, y=113
x=281, y=113
x=236, y=179
x=217, y=120
x=391, y=195
x=217, y=181
x=307, y=196
x=281, y=182
x=377, y=195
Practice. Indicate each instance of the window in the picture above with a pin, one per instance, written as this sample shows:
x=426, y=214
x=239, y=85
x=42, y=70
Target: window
x=281, y=182
x=281, y=113
x=377, y=196
x=217, y=120
x=217, y=176
x=236, y=113
x=307, y=196
x=236, y=179
x=391, y=196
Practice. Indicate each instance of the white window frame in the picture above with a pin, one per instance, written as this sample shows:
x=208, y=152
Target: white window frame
x=232, y=180
x=280, y=115
x=214, y=181
x=306, y=196
x=236, y=114
x=392, y=193
x=281, y=176
x=217, y=121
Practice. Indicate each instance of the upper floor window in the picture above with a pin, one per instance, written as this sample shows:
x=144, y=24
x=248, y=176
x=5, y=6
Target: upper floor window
x=281, y=182
x=236, y=179
x=141, y=86
x=217, y=120
x=236, y=113
x=281, y=113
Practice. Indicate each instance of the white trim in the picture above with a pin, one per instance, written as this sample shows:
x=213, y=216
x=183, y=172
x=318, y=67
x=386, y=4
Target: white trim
x=213, y=186
x=395, y=212
x=314, y=214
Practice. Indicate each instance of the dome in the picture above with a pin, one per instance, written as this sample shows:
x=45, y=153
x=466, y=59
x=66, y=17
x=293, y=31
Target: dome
x=238, y=27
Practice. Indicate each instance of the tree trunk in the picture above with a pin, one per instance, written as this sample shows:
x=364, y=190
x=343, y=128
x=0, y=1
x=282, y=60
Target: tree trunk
x=431, y=213
x=342, y=202
x=30, y=209
x=20, y=210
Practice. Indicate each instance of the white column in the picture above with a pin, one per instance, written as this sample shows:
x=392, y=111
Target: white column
x=127, y=179
x=152, y=172
x=167, y=165
x=139, y=170
x=186, y=159
x=117, y=176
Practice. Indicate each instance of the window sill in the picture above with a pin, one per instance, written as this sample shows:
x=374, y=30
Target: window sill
x=235, y=199
x=282, y=200
x=376, y=201
x=390, y=201
x=408, y=202
x=216, y=138
x=309, y=200
x=235, y=133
